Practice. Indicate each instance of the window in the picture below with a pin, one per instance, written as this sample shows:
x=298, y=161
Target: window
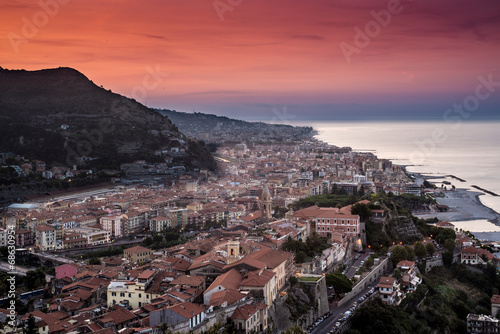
x=122, y=294
x=140, y=295
x=129, y=295
x=113, y=294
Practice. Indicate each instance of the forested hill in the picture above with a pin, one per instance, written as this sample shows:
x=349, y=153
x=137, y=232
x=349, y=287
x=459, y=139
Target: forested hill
x=223, y=129
x=59, y=115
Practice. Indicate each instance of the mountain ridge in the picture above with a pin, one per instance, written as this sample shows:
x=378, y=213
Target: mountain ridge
x=59, y=115
x=221, y=128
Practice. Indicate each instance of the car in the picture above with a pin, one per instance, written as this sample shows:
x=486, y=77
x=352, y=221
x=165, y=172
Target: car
x=330, y=287
x=361, y=263
x=337, y=324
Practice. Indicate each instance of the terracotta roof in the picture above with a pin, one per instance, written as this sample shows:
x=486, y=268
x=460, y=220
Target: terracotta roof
x=386, y=282
x=59, y=315
x=246, y=311
x=44, y=228
x=231, y=279
x=257, y=280
x=470, y=249
x=271, y=257
x=187, y=310
x=118, y=316
x=146, y=274
x=138, y=249
x=190, y=280
x=230, y=296
x=495, y=299
x=405, y=263
x=442, y=224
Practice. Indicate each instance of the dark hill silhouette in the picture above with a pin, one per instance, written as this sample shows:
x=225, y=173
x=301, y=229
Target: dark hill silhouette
x=59, y=115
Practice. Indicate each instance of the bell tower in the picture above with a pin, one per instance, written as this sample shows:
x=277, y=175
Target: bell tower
x=265, y=203
x=233, y=251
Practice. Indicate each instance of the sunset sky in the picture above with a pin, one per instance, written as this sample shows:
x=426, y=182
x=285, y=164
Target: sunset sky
x=246, y=58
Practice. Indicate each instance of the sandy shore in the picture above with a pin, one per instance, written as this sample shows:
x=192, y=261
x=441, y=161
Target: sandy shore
x=464, y=205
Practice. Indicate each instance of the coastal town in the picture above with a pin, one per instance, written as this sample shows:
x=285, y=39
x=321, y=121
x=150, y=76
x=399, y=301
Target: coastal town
x=198, y=251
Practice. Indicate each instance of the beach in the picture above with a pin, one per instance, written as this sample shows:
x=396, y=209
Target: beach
x=468, y=212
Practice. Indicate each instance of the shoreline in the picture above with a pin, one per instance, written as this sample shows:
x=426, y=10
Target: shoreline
x=464, y=203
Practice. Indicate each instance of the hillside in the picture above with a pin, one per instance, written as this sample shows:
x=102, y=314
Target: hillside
x=58, y=116
x=222, y=129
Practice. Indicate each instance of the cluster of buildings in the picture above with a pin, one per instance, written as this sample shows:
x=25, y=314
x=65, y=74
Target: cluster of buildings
x=24, y=166
x=265, y=179
x=392, y=290
x=228, y=275
x=222, y=277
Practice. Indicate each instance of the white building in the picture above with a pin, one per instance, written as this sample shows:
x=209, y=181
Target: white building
x=160, y=223
x=94, y=236
x=388, y=289
x=113, y=224
x=45, y=237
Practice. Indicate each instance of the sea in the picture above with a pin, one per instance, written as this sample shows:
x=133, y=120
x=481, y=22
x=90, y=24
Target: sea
x=469, y=150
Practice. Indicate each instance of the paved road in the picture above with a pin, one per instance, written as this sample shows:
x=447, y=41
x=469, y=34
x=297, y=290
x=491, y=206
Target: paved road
x=356, y=265
x=337, y=312
x=21, y=271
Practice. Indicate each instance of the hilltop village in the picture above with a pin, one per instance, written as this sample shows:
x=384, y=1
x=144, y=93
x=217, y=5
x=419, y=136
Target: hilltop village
x=248, y=249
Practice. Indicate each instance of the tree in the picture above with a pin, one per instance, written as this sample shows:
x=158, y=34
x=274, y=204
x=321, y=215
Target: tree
x=164, y=328
x=449, y=244
x=427, y=184
x=362, y=210
x=94, y=261
x=340, y=282
x=398, y=254
x=294, y=330
x=397, y=274
x=35, y=279
x=430, y=248
x=420, y=250
x=447, y=258
x=148, y=241
x=31, y=325
x=300, y=257
x=410, y=253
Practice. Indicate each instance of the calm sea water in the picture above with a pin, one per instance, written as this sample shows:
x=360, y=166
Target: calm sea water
x=470, y=151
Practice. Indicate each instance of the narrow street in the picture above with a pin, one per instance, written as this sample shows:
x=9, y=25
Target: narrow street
x=337, y=312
